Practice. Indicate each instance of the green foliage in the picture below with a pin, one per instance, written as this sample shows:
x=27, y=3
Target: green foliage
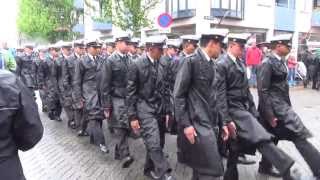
x=128, y=14
x=48, y=19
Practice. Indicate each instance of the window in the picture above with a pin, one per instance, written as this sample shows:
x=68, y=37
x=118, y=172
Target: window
x=282, y=3
x=286, y=3
x=192, y=4
x=182, y=4
x=230, y=8
x=174, y=5
x=182, y=8
x=316, y=3
x=215, y=4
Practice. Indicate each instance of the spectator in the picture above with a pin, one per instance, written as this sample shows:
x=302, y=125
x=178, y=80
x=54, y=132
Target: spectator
x=20, y=127
x=292, y=63
x=253, y=59
x=7, y=58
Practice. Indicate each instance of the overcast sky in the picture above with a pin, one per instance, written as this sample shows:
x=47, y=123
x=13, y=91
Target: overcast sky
x=8, y=28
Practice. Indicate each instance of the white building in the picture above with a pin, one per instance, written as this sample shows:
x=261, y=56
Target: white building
x=262, y=18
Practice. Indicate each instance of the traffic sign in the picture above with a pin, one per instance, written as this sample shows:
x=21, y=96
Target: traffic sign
x=164, y=20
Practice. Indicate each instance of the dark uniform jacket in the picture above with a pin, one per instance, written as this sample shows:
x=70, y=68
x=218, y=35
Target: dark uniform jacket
x=68, y=72
x=114, y=88
x=85, y=87
x=195, y=94
x=26, y=70
x=20, y=125
x=145, y=89
x=50, y=80
x=236, y=103
x=274, y=100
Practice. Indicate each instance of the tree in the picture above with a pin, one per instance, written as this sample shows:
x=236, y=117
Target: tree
x=128, y=14
x=48, y=19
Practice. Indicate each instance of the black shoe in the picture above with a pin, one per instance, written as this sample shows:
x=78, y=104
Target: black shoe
x=82, y=133
x=244, y=160
x=104, y=148
x=72, y=124
x=127, y=161
x=148, y=174
x=167, y=176
x=44, y=109
x=269, y=171
x=293, y=174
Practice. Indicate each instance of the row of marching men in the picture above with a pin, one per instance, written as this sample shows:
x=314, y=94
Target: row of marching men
x=202, y=95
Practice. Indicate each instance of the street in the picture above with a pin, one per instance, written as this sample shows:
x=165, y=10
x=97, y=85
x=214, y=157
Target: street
x=62, y=155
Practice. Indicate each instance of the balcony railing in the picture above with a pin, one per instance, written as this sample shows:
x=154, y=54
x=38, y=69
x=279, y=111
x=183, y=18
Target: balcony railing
x=284, y=18
x=228, y=13
x=101, y=26
x=315, y=21
x=187, y=13
x=78, y=4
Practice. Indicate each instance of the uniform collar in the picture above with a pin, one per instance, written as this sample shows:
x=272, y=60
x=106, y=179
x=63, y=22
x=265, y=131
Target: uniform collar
x=276, y=56
x=91, y=57
x=187, y=55
x=120, y=54
x=77, y=55
x=151, y=59
x=205, y=55
x=234, y=59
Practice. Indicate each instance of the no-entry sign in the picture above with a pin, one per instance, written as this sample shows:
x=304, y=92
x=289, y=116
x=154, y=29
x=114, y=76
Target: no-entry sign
x=164, y=20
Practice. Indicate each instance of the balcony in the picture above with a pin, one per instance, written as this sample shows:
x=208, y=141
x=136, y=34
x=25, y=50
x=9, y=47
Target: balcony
x=187, y=13
x=232, y=14
x=284, y=18
x=78, y=28
x=78, y=4
x=101, y=26
x=233, y=9
x=315, y=21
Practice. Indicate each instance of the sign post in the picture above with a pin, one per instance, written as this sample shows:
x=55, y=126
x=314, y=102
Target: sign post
x=164, y=21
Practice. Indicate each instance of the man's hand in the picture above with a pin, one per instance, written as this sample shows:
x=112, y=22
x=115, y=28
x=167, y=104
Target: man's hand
x=190, y=133
x=274, y=122
x=135, y=126
x=107, y=113
x=225, y=133
x=232, y=129
x=167, y=120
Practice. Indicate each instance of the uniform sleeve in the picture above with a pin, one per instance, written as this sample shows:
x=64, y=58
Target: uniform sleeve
x=34, y=72
x=132, y=88
x=222, y=103
x=65, y=75
x=18, y=69
x=41, y=74
x=27, y=126
x=105, y=86
x=77, y=84
x=263, y=82
x=180, y=94
x=252, y=106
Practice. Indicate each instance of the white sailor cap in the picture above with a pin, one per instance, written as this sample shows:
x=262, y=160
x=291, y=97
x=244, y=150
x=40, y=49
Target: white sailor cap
x=173, y=43
x=109, y=42
x=155, y=41
x=93, y=43
x=240, y=38
x=63, y=44
x=79, y=43
x=42, y=48
x=134, y=41
x=285, y=39
x=215, y=34
x=29, y=45
x=194, y=39
x=122, y=36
